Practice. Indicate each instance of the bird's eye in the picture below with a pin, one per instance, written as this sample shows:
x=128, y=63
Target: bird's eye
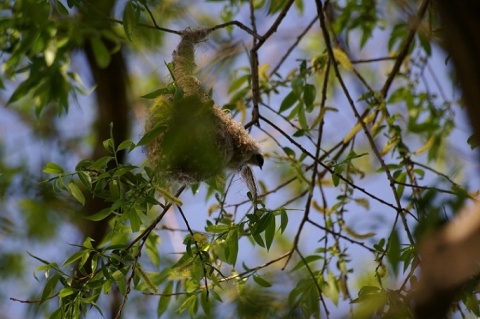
x=259, y=160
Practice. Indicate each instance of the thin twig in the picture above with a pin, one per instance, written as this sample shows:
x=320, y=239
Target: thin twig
x=196, y=246
x=364, y=126
x=330, y=170
x=293, y=46
x=405, y=48
x=154, y=224
x=314, y=278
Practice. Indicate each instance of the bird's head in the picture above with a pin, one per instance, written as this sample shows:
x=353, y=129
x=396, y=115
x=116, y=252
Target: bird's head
x=256, y=159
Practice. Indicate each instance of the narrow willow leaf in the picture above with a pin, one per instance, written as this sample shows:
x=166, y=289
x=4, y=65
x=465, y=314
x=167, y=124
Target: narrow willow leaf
x=231, y=250
x=358, y=127
x=104, y=213
x=343, y=59
x=135, y=221
x=150, y=135
x=52, y=168
x=356, y=235
x=85, y=179
x=156, y=93
x=288, y=102
x=262, y=282
x=364, y=202
x=270, y=231
x=130, y=20
x=76, y=192
x=75, y=257
x=307, y=260
x=100, y=51
x=283, y=220
x=309, y=95
x=67, y=291
x=49, y=287
x=165, y=299
x=393, y=251
x=21, y=91
x=425, y=147
x=101, y=163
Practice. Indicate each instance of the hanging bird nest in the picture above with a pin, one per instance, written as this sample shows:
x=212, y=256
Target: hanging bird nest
x=195, y=139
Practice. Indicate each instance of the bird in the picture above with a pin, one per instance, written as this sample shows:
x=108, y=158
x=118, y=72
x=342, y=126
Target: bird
x=194, y=138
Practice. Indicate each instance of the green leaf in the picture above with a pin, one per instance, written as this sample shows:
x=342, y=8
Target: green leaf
x=258, y=239
x=302, y=119
x=135, y=221
x=108, y=145
x=309, y=95
x=52, y=168
x=262, y=282
x=237, y=83
x=157, y=93
x=216, y=229
x=75, y=257
x=49, y=287
x=76, y=192
x=165, y=299
x=152, y=250
x=288, y=102
x=104, y=213
x=472, y=305
x=307, y=260
x=331, y=289
x=231, y=249
x=101, y=163
x=337, y=172
x=270, y=231
x=21, y=91
x=57, y=314
x=85, y=179
x=61, y=8
x=67, y=291
x=283, y=220
x=100, y=51
x=402, y=178
x=393, y=252
x=130, y=19
x=187, y=303
x=289, y=152
x=151, y=135
x=262, y=224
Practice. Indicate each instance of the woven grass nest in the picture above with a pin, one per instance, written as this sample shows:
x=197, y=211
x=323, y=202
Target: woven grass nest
x=195, y=139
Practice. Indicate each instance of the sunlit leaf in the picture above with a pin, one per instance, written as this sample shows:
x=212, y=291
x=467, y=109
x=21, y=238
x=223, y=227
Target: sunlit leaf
x=52, y=168
x=104, y=213
x=76, y=192
x=343, y=59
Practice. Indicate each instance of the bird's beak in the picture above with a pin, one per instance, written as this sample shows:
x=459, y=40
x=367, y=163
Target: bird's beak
x=259, y=158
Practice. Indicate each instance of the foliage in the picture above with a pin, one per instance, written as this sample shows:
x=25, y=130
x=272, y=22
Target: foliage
x=359, y=165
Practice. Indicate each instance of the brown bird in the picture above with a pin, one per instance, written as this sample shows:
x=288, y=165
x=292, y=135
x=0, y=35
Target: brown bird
x=195, y=139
